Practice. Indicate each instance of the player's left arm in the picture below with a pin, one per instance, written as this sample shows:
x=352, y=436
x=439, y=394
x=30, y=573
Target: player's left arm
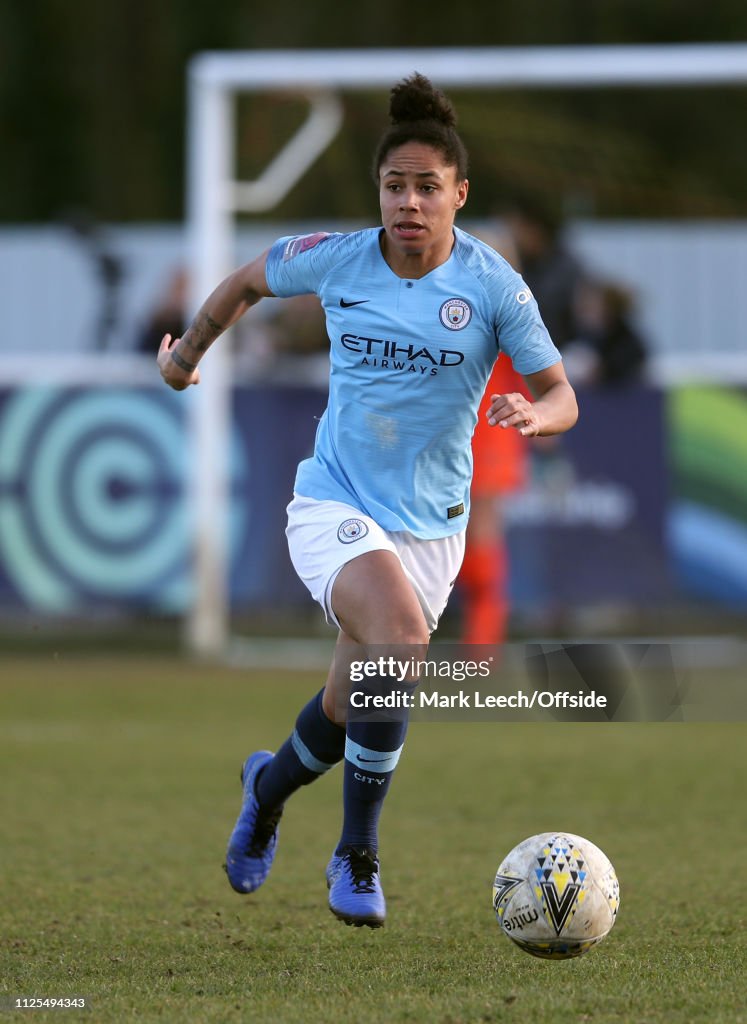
x=552, y=411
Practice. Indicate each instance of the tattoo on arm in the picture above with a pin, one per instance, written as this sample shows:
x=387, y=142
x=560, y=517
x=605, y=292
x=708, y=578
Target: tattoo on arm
x=202, y=333
x=182, y=363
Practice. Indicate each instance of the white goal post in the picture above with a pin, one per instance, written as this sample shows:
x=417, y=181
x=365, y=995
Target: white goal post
x=214, y=197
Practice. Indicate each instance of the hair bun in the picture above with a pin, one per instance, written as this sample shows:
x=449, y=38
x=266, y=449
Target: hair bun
x=417, y=99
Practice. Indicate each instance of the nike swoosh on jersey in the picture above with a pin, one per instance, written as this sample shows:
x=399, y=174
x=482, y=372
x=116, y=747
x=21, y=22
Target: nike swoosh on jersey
x=358, y=302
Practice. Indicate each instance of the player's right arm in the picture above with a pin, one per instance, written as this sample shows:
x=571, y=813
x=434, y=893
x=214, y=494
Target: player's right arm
x=178, y=358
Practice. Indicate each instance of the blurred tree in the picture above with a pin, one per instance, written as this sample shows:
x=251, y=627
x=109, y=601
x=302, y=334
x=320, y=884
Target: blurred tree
x=92, y=100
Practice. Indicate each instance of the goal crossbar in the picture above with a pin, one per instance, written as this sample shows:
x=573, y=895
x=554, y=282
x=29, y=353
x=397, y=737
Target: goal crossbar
x=527, y=67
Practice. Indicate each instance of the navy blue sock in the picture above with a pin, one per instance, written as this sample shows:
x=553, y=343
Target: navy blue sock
x=315, y=745
x=372, y=750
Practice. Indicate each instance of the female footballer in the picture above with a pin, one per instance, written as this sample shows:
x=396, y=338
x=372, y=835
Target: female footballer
x=417, y=312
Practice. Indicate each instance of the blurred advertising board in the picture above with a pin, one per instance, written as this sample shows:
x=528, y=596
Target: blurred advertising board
x=644, y=502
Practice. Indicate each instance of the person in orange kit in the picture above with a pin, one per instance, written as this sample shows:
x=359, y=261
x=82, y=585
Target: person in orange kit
x=500, y=467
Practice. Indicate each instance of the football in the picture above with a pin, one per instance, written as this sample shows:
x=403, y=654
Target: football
x=556, y=895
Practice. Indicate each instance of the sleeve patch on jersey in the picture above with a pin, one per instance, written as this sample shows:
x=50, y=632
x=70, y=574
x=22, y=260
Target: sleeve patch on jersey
x=302, y=243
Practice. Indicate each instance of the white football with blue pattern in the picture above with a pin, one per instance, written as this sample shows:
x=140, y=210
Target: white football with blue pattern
x=556, y=895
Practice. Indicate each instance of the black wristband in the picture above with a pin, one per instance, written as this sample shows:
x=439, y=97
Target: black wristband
x=182, y=363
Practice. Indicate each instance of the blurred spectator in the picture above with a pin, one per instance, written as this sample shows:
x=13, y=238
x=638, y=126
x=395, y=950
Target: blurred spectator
x=606, y=350
x=553, y=273
x=589, y=320
x=168, y=317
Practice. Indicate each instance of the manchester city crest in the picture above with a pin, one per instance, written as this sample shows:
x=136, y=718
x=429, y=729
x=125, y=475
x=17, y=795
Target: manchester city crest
x=351, y=530
x=455, y=314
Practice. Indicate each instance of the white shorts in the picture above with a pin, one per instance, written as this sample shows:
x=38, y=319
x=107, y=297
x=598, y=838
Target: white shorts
x=325, y=535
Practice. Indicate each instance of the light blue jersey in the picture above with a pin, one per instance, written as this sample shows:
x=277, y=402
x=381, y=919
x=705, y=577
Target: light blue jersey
x=410, y=359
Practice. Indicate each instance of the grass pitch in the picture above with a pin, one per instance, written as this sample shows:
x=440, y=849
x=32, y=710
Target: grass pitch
x=120, y=786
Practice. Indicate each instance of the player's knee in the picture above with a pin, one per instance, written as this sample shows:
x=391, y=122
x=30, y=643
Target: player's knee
x=385, y=623
x=399, y=628
x=410, y=635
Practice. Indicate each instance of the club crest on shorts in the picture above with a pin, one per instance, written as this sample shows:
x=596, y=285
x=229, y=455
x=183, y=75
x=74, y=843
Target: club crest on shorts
x=455, y=314
x=351, y=530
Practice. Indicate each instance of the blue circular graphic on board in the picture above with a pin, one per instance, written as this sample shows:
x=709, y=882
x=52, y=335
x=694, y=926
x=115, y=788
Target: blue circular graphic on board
x=94, y=495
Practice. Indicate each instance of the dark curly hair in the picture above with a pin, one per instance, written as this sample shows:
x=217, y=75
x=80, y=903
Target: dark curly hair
x=421, y=113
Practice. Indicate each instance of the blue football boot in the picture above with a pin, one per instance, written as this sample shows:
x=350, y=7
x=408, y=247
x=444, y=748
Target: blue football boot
x=355, y=893
x=251, y=848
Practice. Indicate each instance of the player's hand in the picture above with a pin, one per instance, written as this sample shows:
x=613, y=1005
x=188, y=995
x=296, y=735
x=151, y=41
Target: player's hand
x=514, y=410
x=177, y=373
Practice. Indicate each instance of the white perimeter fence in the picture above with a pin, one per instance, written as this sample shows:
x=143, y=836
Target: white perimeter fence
x=687, y=279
